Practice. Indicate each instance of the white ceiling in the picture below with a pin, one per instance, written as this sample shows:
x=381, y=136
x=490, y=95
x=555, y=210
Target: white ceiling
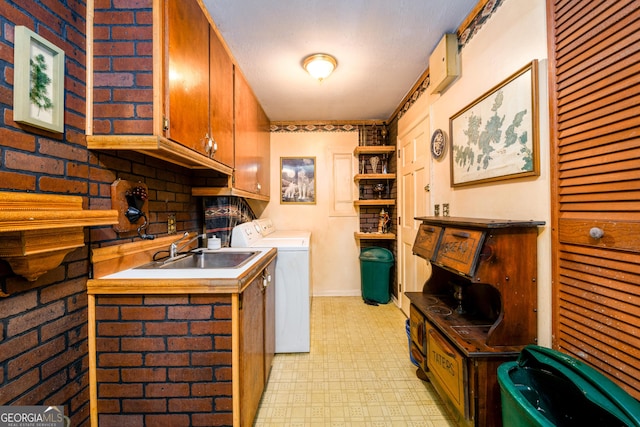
x=382, y=48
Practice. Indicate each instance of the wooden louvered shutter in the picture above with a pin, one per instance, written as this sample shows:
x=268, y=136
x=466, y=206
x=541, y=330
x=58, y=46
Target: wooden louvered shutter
x=594, y=60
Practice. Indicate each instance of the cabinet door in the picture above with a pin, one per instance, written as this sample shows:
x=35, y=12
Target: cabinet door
x=264, y=151
x=221, y=99
x=269, y=318
x=596, y=204
x=246, y=136
x=188, y=74
x=252, y=376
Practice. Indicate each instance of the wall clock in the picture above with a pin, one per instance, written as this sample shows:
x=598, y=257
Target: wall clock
x=438, y=144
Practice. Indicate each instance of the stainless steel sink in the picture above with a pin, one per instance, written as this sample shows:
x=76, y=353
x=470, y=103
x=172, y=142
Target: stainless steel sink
x=204, y=260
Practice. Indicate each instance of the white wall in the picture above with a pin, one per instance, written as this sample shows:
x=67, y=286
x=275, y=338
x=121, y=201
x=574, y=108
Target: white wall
x=511, y=38
x=335, y=268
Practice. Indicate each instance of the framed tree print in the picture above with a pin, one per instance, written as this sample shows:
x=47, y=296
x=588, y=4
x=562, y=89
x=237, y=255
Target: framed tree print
x=38, y=92
x=496, y=136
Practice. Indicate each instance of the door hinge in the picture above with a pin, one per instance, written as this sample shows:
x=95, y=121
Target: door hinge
x=240, y=301
x=398, y=153
x=400, y=287
x=165, y=123
x=399, y=221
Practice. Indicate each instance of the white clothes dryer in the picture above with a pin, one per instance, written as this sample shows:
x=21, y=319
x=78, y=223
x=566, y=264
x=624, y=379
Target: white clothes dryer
x=293, y=280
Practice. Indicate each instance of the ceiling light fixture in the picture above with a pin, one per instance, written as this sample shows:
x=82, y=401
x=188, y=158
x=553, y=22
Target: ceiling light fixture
x=319, y=65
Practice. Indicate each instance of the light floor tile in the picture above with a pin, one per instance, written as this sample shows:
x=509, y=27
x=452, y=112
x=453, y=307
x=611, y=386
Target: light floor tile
x=358, y=373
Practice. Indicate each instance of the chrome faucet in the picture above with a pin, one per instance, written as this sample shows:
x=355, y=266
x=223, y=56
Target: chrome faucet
x=174, y=250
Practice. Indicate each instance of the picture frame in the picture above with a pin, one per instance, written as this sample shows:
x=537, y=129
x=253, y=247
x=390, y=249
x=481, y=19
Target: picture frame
x=38, y=91
x=298, y=180
x=496, y=137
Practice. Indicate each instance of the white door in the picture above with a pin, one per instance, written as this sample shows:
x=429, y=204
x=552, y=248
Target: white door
x=413, y=198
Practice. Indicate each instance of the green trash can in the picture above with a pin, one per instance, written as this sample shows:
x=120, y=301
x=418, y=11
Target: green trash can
x=375, y=274
x=547, y=388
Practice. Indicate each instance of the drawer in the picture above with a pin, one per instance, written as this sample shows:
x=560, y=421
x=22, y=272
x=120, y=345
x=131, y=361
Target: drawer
x=418, y=356
x=417, y=329
x=459, y=250
x=618, y=235
x=448, y=368
x=427, y=239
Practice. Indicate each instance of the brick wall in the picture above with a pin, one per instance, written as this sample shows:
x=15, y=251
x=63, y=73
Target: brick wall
x=164, y=360
x=43, y=324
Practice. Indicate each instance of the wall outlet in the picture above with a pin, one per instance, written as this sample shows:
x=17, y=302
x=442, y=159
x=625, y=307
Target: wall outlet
x=171, y=224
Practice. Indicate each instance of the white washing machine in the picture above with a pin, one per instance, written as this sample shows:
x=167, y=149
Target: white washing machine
x=293, y=280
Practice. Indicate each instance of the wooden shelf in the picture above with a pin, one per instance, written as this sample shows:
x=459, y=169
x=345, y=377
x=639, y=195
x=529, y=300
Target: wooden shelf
x=365, y=176
x=375, y=202
x=38, y=230
x=373, y=149
x=374, y=236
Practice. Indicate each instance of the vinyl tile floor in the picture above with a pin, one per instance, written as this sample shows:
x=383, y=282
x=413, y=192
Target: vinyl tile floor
x=358, y=373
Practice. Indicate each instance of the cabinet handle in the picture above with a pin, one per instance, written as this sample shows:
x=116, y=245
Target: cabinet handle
x=258, y=186
x=460, y=234
x=596, y=233
x=447, y=349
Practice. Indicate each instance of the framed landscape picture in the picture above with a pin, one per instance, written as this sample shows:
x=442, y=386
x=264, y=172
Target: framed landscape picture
x=496, y=136
x=298, y=180
x=38, y=93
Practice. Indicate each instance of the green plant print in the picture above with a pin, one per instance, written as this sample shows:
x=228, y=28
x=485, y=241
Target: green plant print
x=39, y=82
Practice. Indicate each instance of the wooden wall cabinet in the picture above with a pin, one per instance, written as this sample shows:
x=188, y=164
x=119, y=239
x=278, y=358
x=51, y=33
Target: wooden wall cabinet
x=252, y=141
x=171, y=102
x=199, y=84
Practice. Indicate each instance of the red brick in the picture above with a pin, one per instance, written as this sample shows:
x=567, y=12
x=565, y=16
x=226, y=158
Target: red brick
x=119, y=300
x=131, y=64
x=132, y=4
x=147, y=375
x=215, y=419
x=167, y=359
x=212, y=389
x=108, y=406
x=125, y=17
x=111, y=375
x=17, y=181
x=17, y=345
x=144, y=48
x=113, y=79
x=162, y=329
x=132, y=33
x=28, y=162
x=104, y=345
x=190, y=405
x=119, y=390
x=143, y=344
x=144, y=406
x=223, y=404
x=132, y=95
x=213, y=327
x=119, y=359
x=63, y=325
x=144, y=79
x=62, y=185
x=222, y=312
x=34, y=357
x=107, y=313
x=11, y=389
x=191, y=374
x=166, y=390
x=119, y=329
x=173, y=420
x=223, y=374
x=222, y=343
x=122, y=420
x=143, y=313
x=113, y=110
x=20, y=140
x=211, y=358
x=35, y=318
x=189, y=343
x=197, y=312
x=133, y=127
x=144, y=111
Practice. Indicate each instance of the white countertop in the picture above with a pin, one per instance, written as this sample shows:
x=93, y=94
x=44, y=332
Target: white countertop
x=193, y=273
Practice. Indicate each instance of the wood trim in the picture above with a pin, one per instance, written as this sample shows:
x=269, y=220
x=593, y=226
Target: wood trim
x=93, y=378
x=227, y=191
